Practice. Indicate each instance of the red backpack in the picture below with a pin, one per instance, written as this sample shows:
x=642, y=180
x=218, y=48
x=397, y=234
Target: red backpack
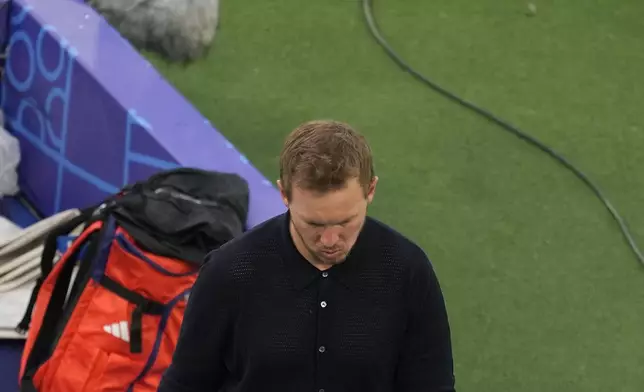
x=107, y=315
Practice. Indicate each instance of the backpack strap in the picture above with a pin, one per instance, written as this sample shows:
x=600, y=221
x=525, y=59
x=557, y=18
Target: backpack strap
x=47, y=261
x=59, y=307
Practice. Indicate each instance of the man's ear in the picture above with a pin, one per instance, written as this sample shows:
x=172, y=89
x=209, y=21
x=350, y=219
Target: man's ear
x=372, y=189
x=282, y=192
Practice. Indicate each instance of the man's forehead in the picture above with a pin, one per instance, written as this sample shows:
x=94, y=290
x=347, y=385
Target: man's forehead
x=318, y=202
x=332, y=208
x=351, y=189
x=335, y=218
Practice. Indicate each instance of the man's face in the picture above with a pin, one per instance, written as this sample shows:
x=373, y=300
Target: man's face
x=327, y=225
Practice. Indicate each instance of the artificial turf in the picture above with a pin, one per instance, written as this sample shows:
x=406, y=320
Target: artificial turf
x=542, y=292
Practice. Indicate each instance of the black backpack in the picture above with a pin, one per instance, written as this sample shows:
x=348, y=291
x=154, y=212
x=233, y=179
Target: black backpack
x=183, y=213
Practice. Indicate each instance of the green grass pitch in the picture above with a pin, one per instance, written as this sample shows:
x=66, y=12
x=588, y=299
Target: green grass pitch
x=542, y=292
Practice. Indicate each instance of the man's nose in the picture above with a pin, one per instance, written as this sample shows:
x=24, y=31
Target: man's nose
x=329, y=237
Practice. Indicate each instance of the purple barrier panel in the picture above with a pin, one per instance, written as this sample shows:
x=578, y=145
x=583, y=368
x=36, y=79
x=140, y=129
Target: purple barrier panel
x=92, y=114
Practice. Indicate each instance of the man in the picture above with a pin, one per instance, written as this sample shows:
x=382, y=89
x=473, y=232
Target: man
x=321, y=298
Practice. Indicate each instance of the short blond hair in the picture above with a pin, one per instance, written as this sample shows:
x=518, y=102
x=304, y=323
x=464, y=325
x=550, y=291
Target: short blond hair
x=322, y=155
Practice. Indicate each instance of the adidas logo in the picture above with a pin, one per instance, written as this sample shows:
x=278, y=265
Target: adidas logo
x=119, y=330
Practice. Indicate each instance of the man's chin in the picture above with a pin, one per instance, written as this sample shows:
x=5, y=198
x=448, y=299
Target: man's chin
x=332, y=259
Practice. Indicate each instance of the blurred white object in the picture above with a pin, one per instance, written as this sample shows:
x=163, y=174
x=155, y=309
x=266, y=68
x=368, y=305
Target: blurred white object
x=20, y=254
x=180, y=30
x=20, y=249
x=9, y=160
x=532, y=9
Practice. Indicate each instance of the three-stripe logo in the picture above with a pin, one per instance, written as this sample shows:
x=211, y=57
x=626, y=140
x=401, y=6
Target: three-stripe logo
x=119, y=330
